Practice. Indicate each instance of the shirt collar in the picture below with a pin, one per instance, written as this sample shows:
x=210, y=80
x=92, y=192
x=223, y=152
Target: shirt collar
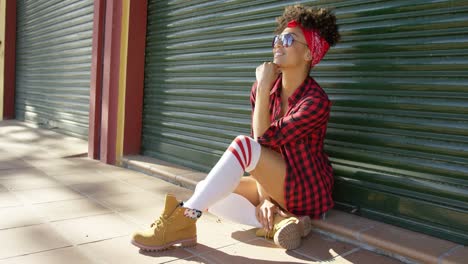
x=298, y=93
x=277, y=85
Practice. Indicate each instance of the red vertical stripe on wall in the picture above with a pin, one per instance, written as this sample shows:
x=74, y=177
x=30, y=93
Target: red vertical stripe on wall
x=135, y=77
x=96, y=80
x=10, y=61
x=110, y=80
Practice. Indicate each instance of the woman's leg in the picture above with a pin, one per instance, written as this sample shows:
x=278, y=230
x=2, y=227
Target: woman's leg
x=177, y=222
x=240, y=205
x=242, y=155
x=267, y=167
x=270, y=173
x=248, y=188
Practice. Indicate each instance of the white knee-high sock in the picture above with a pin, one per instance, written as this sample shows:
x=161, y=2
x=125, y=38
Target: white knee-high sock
x=236, y=208
x=242, y=155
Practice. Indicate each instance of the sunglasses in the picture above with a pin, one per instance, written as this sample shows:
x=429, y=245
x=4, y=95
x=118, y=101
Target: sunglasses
x=286, y=39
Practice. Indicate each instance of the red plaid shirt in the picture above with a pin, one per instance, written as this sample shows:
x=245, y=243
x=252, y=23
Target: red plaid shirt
x=299, y=137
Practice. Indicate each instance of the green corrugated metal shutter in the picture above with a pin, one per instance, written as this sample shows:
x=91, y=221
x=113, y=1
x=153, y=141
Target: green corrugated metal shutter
x=398, y=134
x=53, y=67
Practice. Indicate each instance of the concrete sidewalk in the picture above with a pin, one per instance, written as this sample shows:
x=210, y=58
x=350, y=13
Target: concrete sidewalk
x=59, y=207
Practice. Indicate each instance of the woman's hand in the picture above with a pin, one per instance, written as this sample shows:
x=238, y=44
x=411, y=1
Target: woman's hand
x=266, y=75
x=265, y=213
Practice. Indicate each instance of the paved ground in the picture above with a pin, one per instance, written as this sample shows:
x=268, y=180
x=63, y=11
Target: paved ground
x=56, y=208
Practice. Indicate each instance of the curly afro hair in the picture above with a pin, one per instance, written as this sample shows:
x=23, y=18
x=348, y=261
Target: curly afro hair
x=321, y=19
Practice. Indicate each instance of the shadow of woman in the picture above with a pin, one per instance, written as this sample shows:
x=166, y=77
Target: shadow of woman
x=213, y=255
x=325, y=253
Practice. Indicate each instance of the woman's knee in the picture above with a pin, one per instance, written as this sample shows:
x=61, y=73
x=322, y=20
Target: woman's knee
x=247, y=151
x=243, y=138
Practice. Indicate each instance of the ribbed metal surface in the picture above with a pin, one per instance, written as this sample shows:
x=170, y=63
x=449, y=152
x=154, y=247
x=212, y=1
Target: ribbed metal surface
x=398, y=134
x=53, y=67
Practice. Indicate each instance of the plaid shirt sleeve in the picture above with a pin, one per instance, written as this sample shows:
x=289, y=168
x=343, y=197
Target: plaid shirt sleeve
x=311, y=113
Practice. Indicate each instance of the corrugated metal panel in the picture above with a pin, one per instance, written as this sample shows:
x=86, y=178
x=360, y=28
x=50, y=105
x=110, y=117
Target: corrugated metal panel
x=53, y=68
x=398, y=134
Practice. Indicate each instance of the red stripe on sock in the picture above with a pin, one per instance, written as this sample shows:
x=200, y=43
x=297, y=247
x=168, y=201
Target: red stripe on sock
x=241, y=146
x=249, y=151
x=236, y=154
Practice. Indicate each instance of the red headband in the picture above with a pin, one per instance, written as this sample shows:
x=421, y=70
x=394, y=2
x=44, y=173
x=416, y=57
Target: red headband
x=318, y=46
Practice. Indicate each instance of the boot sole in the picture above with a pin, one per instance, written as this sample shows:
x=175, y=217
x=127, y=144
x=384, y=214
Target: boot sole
x=305, y=225
x=288, y=237
x=184, y=243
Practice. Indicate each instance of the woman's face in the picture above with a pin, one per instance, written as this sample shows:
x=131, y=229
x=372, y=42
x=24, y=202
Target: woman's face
x=294, y=56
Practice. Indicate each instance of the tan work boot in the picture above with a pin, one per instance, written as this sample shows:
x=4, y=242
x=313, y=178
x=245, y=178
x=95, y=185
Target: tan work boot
x=287, y=231
x=172, y=227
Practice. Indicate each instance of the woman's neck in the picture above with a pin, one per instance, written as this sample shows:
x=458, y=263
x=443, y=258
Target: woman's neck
x=291, y=80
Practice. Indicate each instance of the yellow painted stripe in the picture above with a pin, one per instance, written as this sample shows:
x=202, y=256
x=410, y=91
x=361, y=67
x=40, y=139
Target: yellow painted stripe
x=2, y=54
x=122, y=82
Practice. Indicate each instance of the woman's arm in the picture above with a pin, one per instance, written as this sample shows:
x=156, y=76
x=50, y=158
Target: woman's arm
x=261, y=114
x=266, y=75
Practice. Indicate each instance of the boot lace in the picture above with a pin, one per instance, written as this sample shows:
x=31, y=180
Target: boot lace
x=159, y=223
x=271, y=233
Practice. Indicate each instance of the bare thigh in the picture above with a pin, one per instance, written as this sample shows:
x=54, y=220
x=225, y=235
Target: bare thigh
x=270, y=172
x=248, y=188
